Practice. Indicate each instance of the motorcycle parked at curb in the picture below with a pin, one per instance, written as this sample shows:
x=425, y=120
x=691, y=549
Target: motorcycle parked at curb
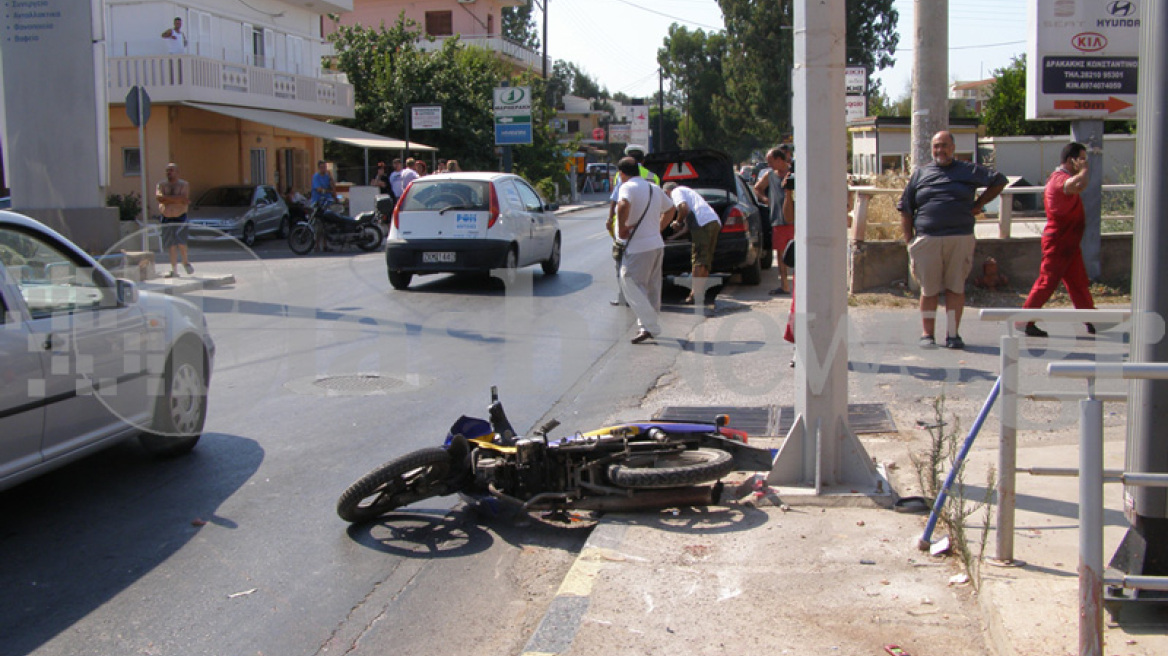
x=339, y=230
x=630, y=466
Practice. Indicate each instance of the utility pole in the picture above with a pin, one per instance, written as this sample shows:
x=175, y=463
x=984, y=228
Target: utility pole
x=545, y=10
x=930, y=102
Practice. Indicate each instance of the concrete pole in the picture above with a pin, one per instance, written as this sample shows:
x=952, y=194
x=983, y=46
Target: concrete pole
x=1089, y=132
x=930, y=84
x=1147, y=443
x=821, y=450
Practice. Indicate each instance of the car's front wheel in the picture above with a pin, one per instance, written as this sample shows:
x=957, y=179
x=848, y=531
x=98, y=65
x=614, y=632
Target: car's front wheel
x=181, y=409
x=249, y=234
x=551, y=266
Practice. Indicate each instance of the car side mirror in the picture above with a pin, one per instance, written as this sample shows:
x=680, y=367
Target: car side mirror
x=551, y=207
x=127, y=292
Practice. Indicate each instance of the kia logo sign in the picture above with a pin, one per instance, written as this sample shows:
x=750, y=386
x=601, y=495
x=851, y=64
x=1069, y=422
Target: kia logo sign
x=1089, y=42
x=1121, y=8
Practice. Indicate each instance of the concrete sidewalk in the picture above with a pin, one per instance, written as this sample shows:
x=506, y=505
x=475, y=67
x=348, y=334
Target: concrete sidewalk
x=805, y=579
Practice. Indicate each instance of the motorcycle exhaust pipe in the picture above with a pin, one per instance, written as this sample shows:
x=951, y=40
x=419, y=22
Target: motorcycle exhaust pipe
x=653, y=499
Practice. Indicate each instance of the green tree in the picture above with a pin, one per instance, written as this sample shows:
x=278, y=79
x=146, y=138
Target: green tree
x=1005, y=110
x=693, y=63
x=388, y=72
x=519, y=26
x=872, y=37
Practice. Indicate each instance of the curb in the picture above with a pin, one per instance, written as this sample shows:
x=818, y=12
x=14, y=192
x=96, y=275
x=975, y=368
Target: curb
x=559, y=625
x=184, y=285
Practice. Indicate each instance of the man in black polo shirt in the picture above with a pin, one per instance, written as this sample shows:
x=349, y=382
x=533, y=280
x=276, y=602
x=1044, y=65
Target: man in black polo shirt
x=937, y=212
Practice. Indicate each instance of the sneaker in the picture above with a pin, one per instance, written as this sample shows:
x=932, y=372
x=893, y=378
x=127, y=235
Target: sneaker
x=927, y=342
x=955, y=342
x=170, y=274
x=642, y=336
x=1090, y=328
x=1034, y=331
x=778, y=291
x=190, y=269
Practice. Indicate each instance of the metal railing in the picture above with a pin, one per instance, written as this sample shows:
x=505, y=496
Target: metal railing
x=1005, y=218
x=1008, y=409
x=1091, y=478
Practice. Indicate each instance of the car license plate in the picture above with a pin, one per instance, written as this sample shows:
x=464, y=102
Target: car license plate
x=440, y=256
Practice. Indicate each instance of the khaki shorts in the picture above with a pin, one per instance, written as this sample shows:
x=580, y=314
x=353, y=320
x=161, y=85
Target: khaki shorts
x=705, y=240
x=941, y=263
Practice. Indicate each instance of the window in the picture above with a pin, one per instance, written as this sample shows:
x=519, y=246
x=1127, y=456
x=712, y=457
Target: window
x=131, y=162
x=573, y=126
x=440, y=23
x=531, y=200
x=259, y=166
x=50, y=281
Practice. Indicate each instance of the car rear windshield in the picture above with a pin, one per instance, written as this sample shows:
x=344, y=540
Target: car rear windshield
x=226, y=197
x=447, y=194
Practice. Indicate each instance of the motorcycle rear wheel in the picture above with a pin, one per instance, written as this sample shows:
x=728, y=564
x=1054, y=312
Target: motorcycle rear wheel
x=653, y=472
x=399, y=482
x=371, y=238
x=301, y=239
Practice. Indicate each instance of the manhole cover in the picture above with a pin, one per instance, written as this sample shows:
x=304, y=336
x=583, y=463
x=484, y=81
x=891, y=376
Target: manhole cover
x=359, y=384
x=362, y=384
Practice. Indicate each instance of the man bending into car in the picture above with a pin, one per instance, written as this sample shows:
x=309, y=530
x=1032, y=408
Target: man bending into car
x=703, y=236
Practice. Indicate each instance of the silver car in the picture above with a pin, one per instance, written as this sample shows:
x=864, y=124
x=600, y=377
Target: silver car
x=242, y=212
x=87, y=360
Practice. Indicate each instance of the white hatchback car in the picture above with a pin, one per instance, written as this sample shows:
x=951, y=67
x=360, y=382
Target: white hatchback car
x=87, y=360
x=470, y=222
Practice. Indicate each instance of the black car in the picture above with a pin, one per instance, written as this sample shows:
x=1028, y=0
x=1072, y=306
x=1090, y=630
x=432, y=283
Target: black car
x=742, y=244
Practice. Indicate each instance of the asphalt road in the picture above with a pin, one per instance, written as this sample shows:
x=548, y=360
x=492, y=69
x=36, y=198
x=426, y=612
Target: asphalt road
x=322, y=373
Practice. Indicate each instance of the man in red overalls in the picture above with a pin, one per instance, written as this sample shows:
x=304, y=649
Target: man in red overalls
x=1062, y=257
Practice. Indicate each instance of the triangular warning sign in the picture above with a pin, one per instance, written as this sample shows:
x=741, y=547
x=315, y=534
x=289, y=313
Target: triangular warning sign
x=680, y=171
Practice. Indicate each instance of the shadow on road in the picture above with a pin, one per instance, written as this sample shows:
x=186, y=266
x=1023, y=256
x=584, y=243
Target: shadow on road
x=77, y=537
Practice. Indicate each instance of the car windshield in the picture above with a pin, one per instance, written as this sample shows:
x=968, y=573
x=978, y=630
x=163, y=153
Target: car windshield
x=226, y=197
x=447, y=194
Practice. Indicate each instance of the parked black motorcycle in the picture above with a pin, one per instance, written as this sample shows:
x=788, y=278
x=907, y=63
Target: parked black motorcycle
x=339, y=230
x=633, y=466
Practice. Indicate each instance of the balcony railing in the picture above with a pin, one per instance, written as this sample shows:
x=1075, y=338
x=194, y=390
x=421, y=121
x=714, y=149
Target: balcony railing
x=513, y=52
x=179, y=78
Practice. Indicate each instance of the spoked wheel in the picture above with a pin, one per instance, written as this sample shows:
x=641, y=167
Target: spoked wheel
x=301, y=239
x=410, y=478
x=181, y=410
x=656, y=471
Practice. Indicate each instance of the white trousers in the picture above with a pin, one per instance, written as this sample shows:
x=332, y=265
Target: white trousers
x=640, y=276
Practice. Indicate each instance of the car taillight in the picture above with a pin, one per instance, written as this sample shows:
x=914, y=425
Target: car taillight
x=397, y=207
x=735, y=221
x=494, y=207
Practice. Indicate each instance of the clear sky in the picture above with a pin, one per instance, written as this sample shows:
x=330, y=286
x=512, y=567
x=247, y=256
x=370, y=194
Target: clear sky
x=616, y=41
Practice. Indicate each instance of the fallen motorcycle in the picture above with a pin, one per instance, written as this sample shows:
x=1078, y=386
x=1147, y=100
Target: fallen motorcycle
x=326, y=217
x=629, y=466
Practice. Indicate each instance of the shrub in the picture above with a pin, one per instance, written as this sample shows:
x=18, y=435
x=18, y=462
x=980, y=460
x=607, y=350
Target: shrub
x=129, y=206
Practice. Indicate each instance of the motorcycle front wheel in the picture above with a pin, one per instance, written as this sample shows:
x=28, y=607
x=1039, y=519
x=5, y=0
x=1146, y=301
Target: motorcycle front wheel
x=400, y=482
x=301, y=239
x=656, y=471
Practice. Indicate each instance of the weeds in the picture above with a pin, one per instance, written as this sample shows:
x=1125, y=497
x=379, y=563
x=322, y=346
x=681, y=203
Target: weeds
x=931, y=465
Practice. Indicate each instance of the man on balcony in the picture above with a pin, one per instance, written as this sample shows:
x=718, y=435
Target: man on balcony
x=176, y=41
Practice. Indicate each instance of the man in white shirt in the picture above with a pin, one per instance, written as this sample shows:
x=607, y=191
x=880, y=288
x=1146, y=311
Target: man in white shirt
x=176, y=41
x=642, y=212
x=408, y=175
x=703, y=235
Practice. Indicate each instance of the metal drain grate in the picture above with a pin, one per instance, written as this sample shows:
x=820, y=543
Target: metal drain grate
x=776, y=421
x=756, y=421
x=357, y=384
x=862, y=418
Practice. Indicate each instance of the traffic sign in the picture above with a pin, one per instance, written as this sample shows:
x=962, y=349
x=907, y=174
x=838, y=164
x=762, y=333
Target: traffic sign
x=680, y=171
x=512, y=116
x=137, y=100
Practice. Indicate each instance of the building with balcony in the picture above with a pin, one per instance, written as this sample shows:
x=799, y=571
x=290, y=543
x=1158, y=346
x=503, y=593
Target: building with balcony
x=972, y=94
x=475, y=22
x=243, y=102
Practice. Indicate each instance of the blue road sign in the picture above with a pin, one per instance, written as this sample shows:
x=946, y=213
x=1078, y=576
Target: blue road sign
x=511, y=134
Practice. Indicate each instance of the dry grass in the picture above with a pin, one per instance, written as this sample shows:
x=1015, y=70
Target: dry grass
x=883, y=217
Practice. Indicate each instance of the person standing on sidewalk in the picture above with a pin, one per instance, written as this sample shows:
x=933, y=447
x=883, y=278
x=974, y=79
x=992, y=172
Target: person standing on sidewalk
x=174, y=197
x=770, y=190
x=1062, y=255
x=642, y=212
x=637, y=152
x=395, y=179
x=703, y=236
x=937, y=211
